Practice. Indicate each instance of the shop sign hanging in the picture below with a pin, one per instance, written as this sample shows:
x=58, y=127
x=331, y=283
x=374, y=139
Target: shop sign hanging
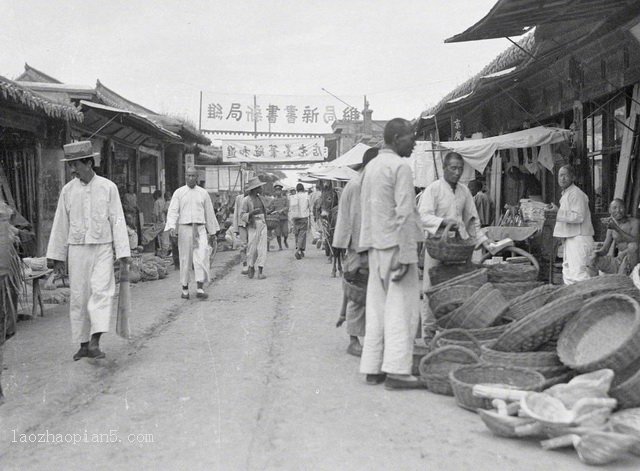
x=274, y=150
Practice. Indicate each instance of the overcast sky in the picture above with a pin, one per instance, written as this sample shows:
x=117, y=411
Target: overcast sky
x=161, y=53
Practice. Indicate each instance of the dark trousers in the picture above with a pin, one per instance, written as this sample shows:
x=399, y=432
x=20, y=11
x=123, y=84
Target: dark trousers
x=300, y=231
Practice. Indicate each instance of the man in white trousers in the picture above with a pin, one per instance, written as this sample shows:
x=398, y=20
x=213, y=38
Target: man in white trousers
x=88, y=225
x=573, y=226
x=390, y=231
x=191, y=217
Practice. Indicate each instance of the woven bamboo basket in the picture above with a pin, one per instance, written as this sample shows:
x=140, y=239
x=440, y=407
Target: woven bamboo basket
x=540, y=327
x=419, y=351
x=524, y=359
x=528, y=302
x=449, y=249
x=512, y=272
x=605, y=333
x=515, y=289
x=464, y=378
x=626, y=386
x=456, y=337
x=435, y=367
x=450, y=298
x=475, y=278
x=485, y=336
x=602, y=284
x=272, y=221
x=481, y=310
x=551, y=371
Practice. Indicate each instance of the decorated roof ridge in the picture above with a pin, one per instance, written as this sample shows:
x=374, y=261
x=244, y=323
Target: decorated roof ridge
x=509, y=58
x=11, y=91
x=116, y=100
x=31, y=74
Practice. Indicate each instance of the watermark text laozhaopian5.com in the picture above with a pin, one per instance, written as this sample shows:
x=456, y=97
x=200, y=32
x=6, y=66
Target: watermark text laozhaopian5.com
x=112, y=436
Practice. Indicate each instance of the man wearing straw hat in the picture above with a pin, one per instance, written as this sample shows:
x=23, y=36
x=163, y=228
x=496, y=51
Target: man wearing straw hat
x=240, y=228
x=190, y=216
x=445, y=202
x=254, y=215
x=88, y=226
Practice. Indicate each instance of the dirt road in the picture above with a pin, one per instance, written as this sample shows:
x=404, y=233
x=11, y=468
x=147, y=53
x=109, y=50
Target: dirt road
x=257, y=378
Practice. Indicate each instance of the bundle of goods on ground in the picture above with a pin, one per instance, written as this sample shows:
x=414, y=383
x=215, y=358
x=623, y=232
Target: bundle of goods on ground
x=555, y=363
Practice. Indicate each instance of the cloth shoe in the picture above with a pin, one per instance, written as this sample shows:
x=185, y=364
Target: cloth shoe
x=374, y=379
x=393, y=383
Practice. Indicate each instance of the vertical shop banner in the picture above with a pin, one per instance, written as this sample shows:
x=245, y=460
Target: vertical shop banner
x=275, y=113
x=273, y=150
x=457, y=129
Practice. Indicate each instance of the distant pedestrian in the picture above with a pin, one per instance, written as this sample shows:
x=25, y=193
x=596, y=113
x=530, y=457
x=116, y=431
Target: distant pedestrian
x=300, y=212
x=280, y=208
x=390, y=231
x=159, y=219
x=356, y=265
x=88, y=226
x=482, y=203
x=191, y=218
x=240, y=229
x=254, y=215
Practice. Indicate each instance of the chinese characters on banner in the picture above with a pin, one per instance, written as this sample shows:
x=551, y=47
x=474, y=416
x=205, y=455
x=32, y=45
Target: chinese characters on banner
x=457, y=129
x=275, y=114
x=274, y=150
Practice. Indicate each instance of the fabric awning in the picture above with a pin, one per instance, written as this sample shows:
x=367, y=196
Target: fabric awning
x=478, y=152
x=335, y=173
x=351, y=157
x=120, y=118
x=516, y=17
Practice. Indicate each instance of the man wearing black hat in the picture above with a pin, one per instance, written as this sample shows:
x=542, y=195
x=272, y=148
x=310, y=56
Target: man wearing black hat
x=89, y=224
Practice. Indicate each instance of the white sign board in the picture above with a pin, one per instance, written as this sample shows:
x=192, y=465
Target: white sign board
x=273, y=150
x=276, y=113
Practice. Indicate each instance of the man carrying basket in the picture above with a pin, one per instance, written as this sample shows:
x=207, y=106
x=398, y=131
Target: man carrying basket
x=445, y=203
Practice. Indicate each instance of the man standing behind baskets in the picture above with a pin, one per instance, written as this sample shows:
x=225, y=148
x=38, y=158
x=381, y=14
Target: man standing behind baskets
x=573, y=226
x=443, y=203
x=390, y=231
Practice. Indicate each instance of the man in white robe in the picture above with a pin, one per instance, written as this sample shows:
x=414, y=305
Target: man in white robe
x=390, y=231
x=573, y=226
x=191, y=216
x=446, y=202
x=88, y=225
x=356, y=267
x=254, y=216
x=240, y=228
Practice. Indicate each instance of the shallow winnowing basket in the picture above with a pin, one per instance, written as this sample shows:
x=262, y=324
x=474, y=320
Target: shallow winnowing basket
x=464, y=378
x=449, y=249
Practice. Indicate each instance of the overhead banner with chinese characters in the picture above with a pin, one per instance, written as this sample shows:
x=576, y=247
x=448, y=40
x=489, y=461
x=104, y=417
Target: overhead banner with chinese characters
x=273, y=150
x=275, y=113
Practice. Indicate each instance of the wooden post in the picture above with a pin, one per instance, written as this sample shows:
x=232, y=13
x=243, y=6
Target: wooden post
x=624, y=164
x=581, y=164
x=40, y=242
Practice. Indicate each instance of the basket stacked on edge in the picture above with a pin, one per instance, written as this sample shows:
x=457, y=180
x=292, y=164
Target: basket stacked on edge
x=605, y=333
x=512, y=272
x=481, y=310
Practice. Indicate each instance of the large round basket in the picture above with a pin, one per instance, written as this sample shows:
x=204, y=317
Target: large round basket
x=602, y=284
x=562, y=378
x=481, y=310
x=436, y=366
x=464, y=378
x=355, y=293
x=540, y=327
x=449, y=249
x=524, y=359
x=485, y=336
x=511, y=290
x=477, y=278
x=450, y=298
x=605, y=333
x=528, y=302
x=511, y=272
